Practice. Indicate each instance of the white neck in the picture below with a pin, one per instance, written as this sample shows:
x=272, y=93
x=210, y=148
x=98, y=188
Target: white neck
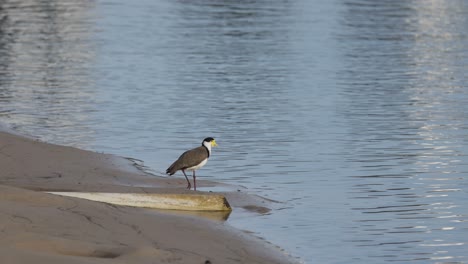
x=207, y=145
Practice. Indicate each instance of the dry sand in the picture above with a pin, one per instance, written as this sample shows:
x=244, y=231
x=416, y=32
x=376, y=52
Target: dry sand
x=36, y=227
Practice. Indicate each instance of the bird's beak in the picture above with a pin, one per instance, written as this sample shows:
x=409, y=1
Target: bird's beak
x=213, y=143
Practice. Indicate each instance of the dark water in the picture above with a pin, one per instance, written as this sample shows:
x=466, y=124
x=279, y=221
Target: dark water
x=354, y=113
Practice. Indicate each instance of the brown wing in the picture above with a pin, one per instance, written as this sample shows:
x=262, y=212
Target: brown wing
x=188, y=159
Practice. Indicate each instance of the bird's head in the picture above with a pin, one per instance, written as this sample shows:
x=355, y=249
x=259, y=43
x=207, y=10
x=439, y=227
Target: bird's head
x=209, y=141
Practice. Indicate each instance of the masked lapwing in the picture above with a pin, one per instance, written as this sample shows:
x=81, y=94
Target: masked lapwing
x=192, y=160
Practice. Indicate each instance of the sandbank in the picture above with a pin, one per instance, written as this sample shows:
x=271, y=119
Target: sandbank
x=37, y=227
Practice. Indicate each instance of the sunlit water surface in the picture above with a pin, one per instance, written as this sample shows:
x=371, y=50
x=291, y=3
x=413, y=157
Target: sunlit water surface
x=352, y=113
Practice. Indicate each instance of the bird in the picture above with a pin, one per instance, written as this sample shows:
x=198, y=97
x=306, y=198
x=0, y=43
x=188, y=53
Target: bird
x=192, y=160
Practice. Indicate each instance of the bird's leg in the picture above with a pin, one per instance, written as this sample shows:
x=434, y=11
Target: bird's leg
x=188, y=185
x=194, y=182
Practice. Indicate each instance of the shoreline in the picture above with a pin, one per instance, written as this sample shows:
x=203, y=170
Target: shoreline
x=45, y=228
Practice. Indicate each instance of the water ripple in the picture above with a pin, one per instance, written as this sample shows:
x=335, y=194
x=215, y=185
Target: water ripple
x=351, y=112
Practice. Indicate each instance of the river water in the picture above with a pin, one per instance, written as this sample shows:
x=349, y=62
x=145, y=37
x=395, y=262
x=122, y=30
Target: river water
x=351, y=113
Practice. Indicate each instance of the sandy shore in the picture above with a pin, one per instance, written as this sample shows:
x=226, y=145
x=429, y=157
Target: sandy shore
x=37, y=227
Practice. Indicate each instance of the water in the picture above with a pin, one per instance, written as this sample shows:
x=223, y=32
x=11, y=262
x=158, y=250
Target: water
x=351, y=112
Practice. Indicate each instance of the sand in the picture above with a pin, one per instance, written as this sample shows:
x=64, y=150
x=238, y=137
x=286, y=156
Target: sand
x=37, y=227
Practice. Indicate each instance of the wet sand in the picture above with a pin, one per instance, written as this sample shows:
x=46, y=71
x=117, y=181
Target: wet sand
x=36, y=227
